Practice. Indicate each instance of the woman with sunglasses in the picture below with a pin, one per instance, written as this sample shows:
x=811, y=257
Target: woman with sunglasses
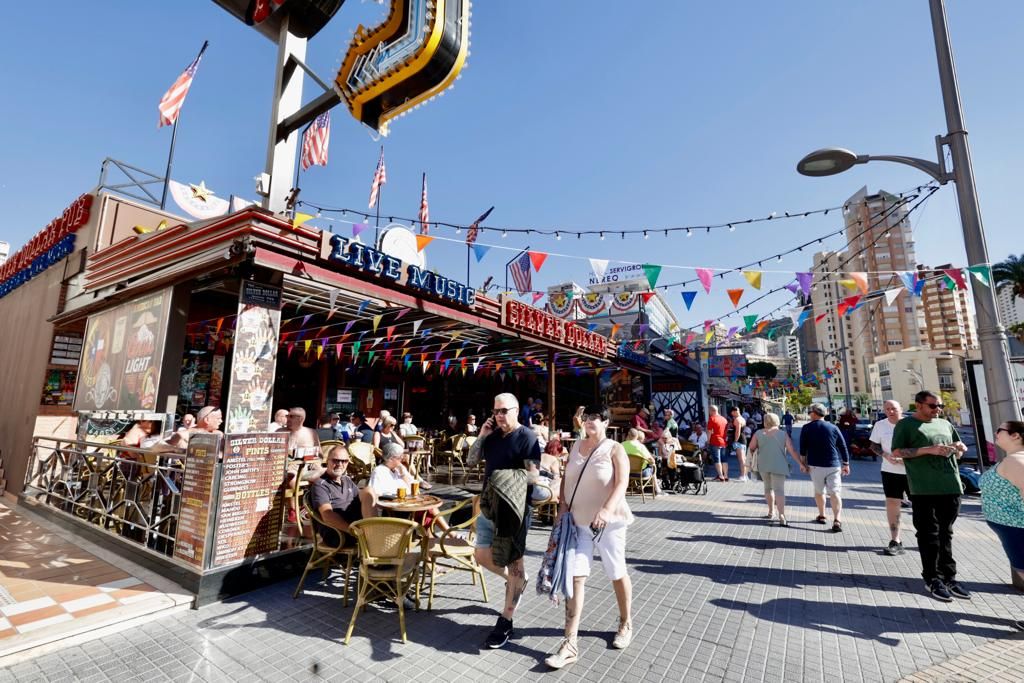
x=594, y=490
x=1002, y=503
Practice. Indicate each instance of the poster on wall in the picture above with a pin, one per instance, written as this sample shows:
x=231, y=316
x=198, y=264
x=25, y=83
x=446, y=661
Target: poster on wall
x=192, y=538
x=120, y=366
x=734, y=365
x=249, y=517
x=250, y=388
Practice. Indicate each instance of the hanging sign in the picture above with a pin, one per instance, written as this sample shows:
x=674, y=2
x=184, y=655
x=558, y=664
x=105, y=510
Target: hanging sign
x=367, y=259
x=626, y=353
x=521, y=317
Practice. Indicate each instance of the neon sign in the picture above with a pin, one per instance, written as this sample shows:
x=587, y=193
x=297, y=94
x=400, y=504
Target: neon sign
x=358, y=255
x=415, y=54
x=47, y=247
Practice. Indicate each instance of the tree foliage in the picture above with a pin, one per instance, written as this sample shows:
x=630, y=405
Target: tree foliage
x=1010, y=273
x=800, y=398
x=951, y=405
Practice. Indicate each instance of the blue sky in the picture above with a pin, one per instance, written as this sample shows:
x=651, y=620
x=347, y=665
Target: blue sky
x=570, y=115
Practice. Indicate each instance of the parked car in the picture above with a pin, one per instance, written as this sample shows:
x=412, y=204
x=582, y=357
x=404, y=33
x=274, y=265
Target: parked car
x=860, y=443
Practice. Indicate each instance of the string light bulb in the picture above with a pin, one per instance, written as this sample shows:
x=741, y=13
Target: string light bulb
x=646, y=236
x=602, y=236
x=732, y=228
x=558, y=235
x=504, y=234
x=689, y=233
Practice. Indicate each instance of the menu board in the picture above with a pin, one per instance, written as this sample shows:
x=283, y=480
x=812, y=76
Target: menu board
x=249, y=516
x=120, y=365
x=196, y=498
x=251, y=384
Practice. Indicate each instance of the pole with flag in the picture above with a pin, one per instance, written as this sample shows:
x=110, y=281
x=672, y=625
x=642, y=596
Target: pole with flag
x=424, y=209
x=471, y=234
x=380, y=178
x=170, y=109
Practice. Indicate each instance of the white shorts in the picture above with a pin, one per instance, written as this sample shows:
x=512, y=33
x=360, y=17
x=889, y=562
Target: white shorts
x=611, y=545
x=827, y=479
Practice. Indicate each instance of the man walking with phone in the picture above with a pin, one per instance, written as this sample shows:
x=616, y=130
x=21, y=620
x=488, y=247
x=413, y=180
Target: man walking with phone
x=511, y=456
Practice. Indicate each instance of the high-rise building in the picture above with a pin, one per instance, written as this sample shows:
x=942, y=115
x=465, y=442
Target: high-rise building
x=880, y=243
x=789, y=347
x=1010, y=307
x=948, y=322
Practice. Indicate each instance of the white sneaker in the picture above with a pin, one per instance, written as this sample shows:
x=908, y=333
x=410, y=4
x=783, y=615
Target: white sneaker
x=568, y=653
x=743, y=479
x=624, y=636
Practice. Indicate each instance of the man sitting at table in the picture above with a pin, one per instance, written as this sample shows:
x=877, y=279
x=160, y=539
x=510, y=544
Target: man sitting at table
x=303, y=445
x=390, y=475
x=361, y=431
x=337, y=499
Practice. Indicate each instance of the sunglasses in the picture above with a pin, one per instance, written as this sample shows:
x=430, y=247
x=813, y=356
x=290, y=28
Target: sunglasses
x=933, y=406
x=1003, y=429
x=593, y=417
x=504, y=411
x=339, y=462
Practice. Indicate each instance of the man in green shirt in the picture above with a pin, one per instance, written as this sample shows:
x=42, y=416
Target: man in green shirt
x=930, y=448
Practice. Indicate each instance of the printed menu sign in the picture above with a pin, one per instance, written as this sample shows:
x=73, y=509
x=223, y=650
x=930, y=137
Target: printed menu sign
x=250, y=386
x=249, y=518
x=196, y=498
x=120, y=364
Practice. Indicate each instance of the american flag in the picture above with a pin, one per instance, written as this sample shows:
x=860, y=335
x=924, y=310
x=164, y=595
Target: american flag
x=174, y=98
x=316, y=140
x=474, y=229
x=522, y=273
x=380, y=177
x=424, y=209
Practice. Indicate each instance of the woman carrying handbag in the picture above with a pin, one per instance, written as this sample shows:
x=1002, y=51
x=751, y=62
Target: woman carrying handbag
x=595, y=478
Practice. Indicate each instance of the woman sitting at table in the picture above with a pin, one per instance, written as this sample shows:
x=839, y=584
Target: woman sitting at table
x=391, y=475
x=387, y=434
x=471, y=428
x=407, y=428
x=540, y=429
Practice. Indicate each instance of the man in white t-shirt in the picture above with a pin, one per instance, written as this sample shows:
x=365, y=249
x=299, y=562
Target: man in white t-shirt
x=699, y=437
x=894, y=473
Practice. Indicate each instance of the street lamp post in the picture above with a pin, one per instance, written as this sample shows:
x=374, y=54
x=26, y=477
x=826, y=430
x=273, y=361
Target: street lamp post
x=991, y=336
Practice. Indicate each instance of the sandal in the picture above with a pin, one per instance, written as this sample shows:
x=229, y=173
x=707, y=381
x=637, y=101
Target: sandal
x=820, y=519
x=782, y=521
x=837, y=526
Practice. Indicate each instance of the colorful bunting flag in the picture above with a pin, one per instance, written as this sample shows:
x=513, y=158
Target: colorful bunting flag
x=957, y=276
x=653, y=272
x=688, y=298
x=537, y=296
x=479, y=251
x=891, y=294
x=750, y=320
x=805, y=280
x=358, y=228
x=599, y=266
x=376, y=321
x=422, y=241
x=301, y=218
x=735, y=295
x=753, y=277
x=537, y=258
x=705, y=275
x=860, y=280
x=909, y=281
x=982, y=273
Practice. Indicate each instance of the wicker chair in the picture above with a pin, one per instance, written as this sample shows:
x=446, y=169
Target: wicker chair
x=454, y=546
x=638, y=481
x=324, y=557
x=364, y=459
x=387, y=569
x=452, y=455
x=326, y=446
x=546, y=510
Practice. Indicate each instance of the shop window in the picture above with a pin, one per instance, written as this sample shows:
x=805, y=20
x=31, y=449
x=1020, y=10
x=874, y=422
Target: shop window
x=62, y=369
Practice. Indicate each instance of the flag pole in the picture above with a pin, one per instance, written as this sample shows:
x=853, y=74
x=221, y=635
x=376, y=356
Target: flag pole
x=380, y=192
x=174, y=137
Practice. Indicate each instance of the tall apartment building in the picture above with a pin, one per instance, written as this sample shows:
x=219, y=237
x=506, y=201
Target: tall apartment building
x=948, y=322
x=832, y=341
x=1010, y=307
x=789, y=347
x=881, y=244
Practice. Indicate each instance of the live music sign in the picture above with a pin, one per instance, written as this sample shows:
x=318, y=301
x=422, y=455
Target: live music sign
x=518, y=316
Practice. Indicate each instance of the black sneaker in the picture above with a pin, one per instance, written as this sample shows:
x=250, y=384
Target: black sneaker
x=958, y=590
x=1019, y=625
x=938, y=590
x=501, y=633
x=895, y=548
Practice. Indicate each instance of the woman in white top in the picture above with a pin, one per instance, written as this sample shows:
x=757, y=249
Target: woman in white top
x=407, y=428
x=594, y=490
x=540, y=429
x=390, y=475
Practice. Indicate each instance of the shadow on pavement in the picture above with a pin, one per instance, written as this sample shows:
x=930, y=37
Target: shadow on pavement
x=862, y=621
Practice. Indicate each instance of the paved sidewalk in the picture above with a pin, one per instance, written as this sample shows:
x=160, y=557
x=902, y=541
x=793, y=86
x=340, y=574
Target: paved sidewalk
x=52, y=587
x=719, y=596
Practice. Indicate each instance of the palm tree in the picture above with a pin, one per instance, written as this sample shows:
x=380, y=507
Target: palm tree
x=1010, y=273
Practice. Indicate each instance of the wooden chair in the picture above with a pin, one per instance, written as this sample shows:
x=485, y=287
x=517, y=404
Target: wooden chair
x=546, y=510
x=324, y=557
x=638, y=481
x=388, y=568
x=456, y=546
x=452, y=455
x=293, y=492
x=477, y=472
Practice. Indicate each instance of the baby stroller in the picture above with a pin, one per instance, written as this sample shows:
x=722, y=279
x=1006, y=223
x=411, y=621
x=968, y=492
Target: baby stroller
x=688, y=474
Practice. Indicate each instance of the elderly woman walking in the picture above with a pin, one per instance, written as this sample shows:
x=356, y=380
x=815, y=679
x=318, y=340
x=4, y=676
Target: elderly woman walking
x=594, y=492
x=1002, y=500
x=769, y=447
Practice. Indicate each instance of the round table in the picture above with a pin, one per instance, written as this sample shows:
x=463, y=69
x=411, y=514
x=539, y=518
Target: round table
x=411, y=505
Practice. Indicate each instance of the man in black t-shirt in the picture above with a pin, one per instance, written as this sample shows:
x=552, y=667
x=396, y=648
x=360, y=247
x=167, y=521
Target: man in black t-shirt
x=337, y=499
x=504, y=444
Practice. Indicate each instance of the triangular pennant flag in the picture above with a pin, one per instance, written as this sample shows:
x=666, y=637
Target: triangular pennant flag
x=355, y=348
x=615, y=328
x=749, y=321
x=358, y=228
x=376, y=321
x=688, y=298
x=705, y=275
x=537, y=296
x=306, y=344
x=794, y=314
x=301, y=218
x=653, y=272
x=708, y=324
x=891, y=294
x=220, y=324
x=291, y=347
x=332, y=297
x=957, y=275
x=422, y=241
x=319, y=350
x=819, y=318
x=849, y=283
x=337, y=350
x=792, y=286
x=803, y=317
x=708, y=335
x=537, y=258
x=599, y=266
x=909, y=281
x=918, y=287
x=401, y=314
x=948, y=281
x=476, y=365
x=753, y=277
x=643, y=328
x=416, y=326
x=848, y=304
x=734, y=296
x=363, y=305
x=861, y=280
x=982, y=274
x=805, y=280
x=305, y=319
x=690, y=336
x=731, y=332
x=646, y=296
x=390, y=332
x=479, y=250
x=348, y=325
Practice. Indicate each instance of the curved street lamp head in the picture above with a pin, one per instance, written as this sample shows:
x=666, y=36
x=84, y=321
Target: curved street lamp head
x=827, y=161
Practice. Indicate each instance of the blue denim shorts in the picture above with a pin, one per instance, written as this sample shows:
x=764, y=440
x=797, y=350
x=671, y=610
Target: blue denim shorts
x=718, y=453
x=485, y=529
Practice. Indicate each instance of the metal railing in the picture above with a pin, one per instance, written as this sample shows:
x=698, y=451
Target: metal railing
x=130, y=493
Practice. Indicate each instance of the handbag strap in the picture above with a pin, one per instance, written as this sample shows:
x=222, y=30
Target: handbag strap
x=576, y=488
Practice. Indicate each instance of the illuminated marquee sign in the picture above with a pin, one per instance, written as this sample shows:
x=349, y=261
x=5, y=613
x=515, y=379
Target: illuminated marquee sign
x=358, y=255
x=523, y=318
x=49, y=246
x=415, y=54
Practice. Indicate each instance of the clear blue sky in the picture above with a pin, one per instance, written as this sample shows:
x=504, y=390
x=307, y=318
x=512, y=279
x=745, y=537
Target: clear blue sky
x=570, y=115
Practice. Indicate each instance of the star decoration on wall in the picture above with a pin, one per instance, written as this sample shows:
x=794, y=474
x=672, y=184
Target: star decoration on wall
x=200, y=191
